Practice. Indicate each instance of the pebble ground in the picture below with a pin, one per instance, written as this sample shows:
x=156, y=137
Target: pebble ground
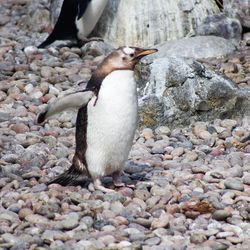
x=188, y=188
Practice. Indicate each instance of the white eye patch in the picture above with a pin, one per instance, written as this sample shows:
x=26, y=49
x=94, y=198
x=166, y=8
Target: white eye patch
x=128, y=50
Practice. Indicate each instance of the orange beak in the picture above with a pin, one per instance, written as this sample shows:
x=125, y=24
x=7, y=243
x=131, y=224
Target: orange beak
x=145, y=52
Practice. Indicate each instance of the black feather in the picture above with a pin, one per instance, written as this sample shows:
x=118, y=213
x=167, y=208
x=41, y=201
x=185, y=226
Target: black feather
x=41, y=117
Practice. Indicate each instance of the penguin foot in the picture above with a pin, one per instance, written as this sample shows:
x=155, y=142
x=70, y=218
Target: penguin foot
x=98, y=186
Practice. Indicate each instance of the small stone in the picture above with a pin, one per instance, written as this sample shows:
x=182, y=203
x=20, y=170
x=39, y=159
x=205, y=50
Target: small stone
x=19, y=128
x=116, y=207
x=191, y=156
x=147, y=133
x=228, y=124
x=221, y=215
x=84, y=244
x=177, y=152
x=24, y=212
x=36, y=219
x=224, y=234
x=29, y=50
x=107, y=239
x=197, y=238
x=137, y=237
x=233, y=183
x=205, y=135
x=70, y=221
x=152, y=241
x=246, y=179
x=163, y=130
x=142, y=194
x=36, y=94
x=161, y=222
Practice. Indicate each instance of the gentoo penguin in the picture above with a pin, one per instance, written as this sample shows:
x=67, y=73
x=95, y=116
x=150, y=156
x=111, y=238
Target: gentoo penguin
x=106, y=120
x=76, y=21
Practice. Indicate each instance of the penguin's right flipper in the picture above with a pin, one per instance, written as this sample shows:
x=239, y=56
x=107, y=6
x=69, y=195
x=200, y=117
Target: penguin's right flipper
x=71, y=101
x=65, y=27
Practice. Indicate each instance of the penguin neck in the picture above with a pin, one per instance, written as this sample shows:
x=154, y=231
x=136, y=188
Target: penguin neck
x=88, y=21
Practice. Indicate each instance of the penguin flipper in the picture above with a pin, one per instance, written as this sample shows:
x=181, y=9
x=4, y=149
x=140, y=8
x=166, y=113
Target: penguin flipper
x=75, y=100
x=82, y=6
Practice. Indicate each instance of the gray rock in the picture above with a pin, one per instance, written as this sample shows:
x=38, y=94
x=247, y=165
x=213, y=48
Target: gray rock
x=175, y=91
x=196, y=47
x=97, y=48
x=238, y=9
x=246, y=179
x=198, y=238
x=154, y=24
x=220, y=25
x=234, y=183
x=221, y=215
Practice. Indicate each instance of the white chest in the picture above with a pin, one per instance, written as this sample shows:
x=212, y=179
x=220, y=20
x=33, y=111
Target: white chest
x=87, y=22
x=112, y=123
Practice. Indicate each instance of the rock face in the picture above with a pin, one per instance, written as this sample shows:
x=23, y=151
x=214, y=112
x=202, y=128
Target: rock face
x=195, y=47
x=221, y=25
x=239, y=9
x=143, y=23
x=176, y=91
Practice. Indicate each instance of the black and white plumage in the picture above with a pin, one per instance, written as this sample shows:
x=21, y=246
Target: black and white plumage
x=106, y=120
x=76, y=21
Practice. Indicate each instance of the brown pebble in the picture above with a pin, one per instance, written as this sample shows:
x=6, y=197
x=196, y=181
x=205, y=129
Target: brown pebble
x=19, y=128
x=24, y=212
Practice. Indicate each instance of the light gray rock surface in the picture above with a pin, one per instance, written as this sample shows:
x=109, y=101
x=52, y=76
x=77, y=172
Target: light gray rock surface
x=239, y=9
x=145, y=23
x=222, y=26
x=176, y=91
x=195, y=47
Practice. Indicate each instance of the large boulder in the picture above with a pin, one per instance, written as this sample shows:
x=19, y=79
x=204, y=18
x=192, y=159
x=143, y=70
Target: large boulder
x=221, y=25
x=177, y=91
x=196, y=47
x=239, y=9
x=147, y=22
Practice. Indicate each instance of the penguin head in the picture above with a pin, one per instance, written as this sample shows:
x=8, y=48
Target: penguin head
x=125, y=58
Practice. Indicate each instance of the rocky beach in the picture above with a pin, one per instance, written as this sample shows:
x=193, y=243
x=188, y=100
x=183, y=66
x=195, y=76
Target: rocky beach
x=187, y=187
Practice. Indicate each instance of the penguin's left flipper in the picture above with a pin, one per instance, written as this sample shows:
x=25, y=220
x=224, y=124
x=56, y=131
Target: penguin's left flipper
x=71, y=101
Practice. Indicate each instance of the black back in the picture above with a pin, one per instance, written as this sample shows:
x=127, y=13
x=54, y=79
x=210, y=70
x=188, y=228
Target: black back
x=65, y=27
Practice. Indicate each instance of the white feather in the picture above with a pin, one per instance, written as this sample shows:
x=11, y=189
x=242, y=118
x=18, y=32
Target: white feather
x=88, y=21
x=111, y=124
x=127, y=50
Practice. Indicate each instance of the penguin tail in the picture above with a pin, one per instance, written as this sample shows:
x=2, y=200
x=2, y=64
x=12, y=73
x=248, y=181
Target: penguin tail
x=50, y=39
x=71, y=177
x=76, y=175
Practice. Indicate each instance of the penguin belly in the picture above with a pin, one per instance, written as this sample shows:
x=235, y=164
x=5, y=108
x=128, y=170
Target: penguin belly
x=111, y=124
x=88, y=21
